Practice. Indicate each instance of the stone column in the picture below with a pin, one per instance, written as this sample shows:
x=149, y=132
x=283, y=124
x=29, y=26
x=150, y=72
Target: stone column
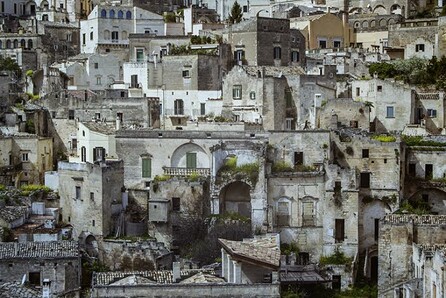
x=229, y=278
x=237, y=272
x=224, y=264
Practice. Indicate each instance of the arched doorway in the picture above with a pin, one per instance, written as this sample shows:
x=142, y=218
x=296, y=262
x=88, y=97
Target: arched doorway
x=235, y=197
x=91, y=246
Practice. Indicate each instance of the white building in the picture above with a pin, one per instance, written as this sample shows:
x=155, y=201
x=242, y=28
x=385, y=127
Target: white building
x=109, y=26
x=95, y=141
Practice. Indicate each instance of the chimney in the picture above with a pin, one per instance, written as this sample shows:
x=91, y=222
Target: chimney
x=46, y=293
x=176, y=271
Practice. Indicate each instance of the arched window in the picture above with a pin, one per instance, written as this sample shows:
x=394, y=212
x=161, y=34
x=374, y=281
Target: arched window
x=30, y=44
x=23, y=44
x=120, y=14
x=128, y=15
x=107, y=35
x=124, y=35
x=112, y=14
x=16, y=43
x=283, y=212
x=83, y=154
x=103, y=13
x=8, y=44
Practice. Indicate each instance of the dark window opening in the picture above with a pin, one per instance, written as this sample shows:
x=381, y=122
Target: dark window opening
x=365, y=153
x=34, y=278
x=339, y=230
x=428, y=171
x=376, y=229
x=365, y=180
x=336, y=282
x=412, y=169
x=298, y=158
x=176, y=204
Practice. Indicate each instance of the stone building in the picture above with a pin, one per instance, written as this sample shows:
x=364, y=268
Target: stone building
x=108, y=27
x=266, y=42
x=57, y=263
x=417, y=37
x=323, y=31
x=393, y=103
x=93, y=192
x=200, y=152
x=399, y=266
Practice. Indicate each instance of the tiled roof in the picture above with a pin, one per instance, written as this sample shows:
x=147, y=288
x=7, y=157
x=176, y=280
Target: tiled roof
x=260, y=250
x=273, y=71
x=17, y=290
x=11, y=213
x=53, y=249
x=132, y=277
x=100, y=127
x=202, y=278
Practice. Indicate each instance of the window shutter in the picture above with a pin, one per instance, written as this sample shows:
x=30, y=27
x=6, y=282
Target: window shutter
x=146, y=167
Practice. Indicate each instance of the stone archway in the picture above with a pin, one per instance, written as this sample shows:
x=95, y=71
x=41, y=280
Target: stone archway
x=236, y=197
x=91, y=246
x=434, y=198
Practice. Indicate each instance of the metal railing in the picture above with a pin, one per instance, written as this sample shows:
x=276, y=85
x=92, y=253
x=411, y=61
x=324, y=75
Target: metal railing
x=186, y=171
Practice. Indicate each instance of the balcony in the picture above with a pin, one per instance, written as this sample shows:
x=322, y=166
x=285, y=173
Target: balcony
x=186, y=172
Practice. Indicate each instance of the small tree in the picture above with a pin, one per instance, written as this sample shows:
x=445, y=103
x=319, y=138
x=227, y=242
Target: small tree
x=236, y=13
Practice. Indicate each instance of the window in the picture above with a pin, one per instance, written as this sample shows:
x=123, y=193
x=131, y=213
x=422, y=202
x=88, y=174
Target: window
x=376, y=229
x=202, y=109
x=176, y=204
x=146, y=167
x=245, y=8
x=120, y=116
x=120, y=14
x=339, y=230
x=308, y=214
x=365, y=153
x=412, y=169
x=83, y=154
x=298, y=158
x=358, y=91
x=96, y=65
x=365, y=180
x=379, y=88
x=91, y=35
x=336, y=282
x=432, y=113
x=24, y=156
x=179, y=107
x=336, y=44
x=128, y=15
x=283, y=213
x=428, y=171
x=288, y=123
x=419, y=47
x=78, y=192
x=93, y=223
x=91, y=195
x=191, y=160
x=103, y=13
x=277, y=53
x=139, y=55
x=425, y=198
x=98, y=81
x=322, y=44
x=84, y=39
x=98, y=153
x=186, y=74
x=34, y=278
x=237, y=92
x=390, y=112
x=295, y=56
x=134, y=81
x=112, y=14
x=115, y=36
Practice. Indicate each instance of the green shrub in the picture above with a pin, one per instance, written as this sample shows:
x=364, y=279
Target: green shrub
x=29, y=73
x=194, y=177
x=287, y=249
x=160, y=178
x=337, y=258
x=282, y=166
x=2, y=187
x=419, y=141
x=26, y=190
x=384, y=138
